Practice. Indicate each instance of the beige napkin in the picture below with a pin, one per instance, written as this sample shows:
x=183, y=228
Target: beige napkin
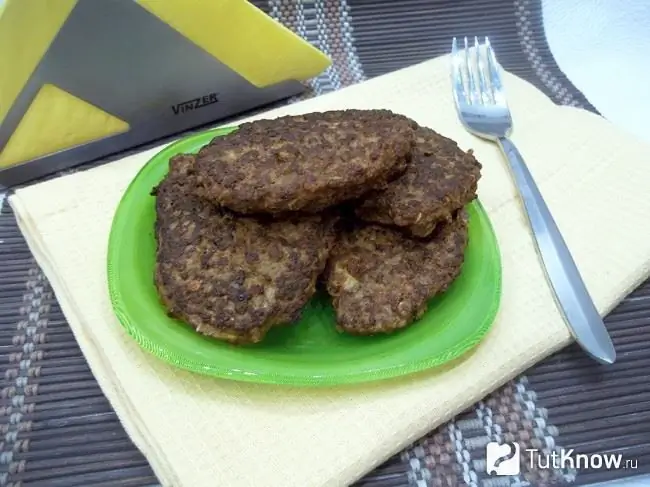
x=202, y=432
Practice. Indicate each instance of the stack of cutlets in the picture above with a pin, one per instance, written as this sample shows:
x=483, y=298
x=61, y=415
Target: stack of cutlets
x=365, y=200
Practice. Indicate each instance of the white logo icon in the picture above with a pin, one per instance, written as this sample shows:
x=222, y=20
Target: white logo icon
x=502, y=459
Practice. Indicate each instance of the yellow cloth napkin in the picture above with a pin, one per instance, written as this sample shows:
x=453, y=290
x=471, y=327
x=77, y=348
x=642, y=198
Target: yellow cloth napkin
x=202, y=432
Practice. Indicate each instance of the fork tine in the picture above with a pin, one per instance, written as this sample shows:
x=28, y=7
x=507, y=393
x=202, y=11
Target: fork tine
x=471, y=80
x=457, y=73
x=493, y=69
x=471, y=67
x=486, y=94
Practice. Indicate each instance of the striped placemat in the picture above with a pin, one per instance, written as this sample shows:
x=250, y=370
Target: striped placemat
x=59, y=430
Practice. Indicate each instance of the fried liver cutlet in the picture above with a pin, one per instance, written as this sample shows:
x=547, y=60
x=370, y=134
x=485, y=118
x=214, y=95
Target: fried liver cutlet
x=440, y=179
x=304, y=163
x=380, y=280
x=233, y=277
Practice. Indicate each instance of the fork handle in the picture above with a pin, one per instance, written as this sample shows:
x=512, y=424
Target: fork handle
x=571, y=294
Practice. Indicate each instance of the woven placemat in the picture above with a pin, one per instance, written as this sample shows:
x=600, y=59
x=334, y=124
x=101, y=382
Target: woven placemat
x=59, y=430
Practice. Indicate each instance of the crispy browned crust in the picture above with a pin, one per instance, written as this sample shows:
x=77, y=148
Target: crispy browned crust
x=233, y=277
x=440, y=179
x=380, y=280
x=304, y=163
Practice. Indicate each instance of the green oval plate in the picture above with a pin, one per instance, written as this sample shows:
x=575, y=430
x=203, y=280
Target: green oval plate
x=311, y=352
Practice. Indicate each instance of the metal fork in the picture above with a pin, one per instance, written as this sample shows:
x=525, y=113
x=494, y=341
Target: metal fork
x=482, y=108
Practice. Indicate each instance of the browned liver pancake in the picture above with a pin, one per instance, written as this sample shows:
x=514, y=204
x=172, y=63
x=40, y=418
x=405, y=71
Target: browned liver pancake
x=246, y=227
x=381, y=280
x=304, y=163
x=228, y=276
x=440, y=179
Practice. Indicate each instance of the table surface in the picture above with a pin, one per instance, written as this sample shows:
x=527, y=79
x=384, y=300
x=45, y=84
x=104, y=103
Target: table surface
x=600, y=46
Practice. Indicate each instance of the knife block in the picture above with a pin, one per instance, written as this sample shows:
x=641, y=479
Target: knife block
x=92, y=78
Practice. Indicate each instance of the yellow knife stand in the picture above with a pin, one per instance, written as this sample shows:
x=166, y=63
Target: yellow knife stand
x=84, y=79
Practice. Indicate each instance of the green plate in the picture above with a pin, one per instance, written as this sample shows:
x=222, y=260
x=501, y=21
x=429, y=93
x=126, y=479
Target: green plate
x=311, y=352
